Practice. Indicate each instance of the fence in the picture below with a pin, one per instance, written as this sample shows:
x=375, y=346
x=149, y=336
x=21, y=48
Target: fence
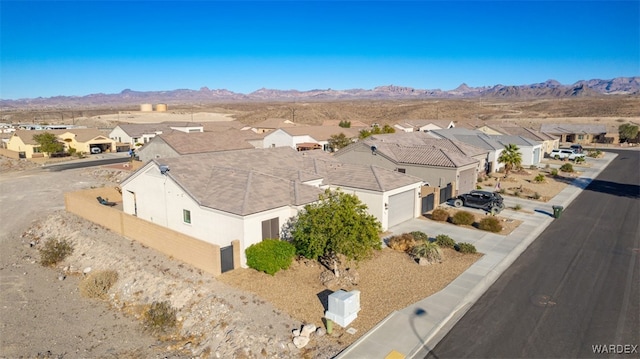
x=200, y=254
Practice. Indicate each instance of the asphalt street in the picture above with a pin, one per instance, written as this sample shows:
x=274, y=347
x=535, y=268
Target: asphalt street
x=575, y=289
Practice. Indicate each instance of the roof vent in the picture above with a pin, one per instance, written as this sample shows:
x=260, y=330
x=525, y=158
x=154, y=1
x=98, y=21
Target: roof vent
x=374, y=148
x=164, y=169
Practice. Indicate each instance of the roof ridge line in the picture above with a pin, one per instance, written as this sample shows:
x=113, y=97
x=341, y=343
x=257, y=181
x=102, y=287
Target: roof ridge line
x=375, y=175
x=246, y=193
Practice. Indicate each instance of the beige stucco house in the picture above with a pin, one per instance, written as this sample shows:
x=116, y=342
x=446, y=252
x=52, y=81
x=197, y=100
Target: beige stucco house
x=82, y=140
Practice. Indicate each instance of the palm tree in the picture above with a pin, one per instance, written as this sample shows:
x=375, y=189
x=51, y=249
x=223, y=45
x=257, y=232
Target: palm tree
x=511, y=157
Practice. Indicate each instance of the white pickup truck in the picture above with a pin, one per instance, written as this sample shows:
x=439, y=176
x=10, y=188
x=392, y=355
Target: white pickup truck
x=565, y=154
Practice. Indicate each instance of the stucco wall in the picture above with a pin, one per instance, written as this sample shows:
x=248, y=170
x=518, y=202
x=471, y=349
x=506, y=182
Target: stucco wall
x=200, y=254
x=278, y=138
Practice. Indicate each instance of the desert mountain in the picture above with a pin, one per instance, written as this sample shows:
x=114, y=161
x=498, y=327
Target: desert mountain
x=547, y=89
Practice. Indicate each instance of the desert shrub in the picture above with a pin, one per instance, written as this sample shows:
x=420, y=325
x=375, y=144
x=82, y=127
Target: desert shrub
x=97, y=284
x=420, y=236
x=594, y=153
x=567, y=167
x=440, y=214
x=517, y=207
x=160, y=317
x=516, y=193
x=445, y=241
x=533, y=167
x=491, y=224
x=404, y=242
x=580, y=160
x=539, y=178
x=536, y=195
x=463, y=218
x=427, y=250
x=464, y=247
x=480, y=178
x=502, y=191
x=270, y=255
x=547, y=166
x=478, y=186
x=554, y=172
x=54, y=251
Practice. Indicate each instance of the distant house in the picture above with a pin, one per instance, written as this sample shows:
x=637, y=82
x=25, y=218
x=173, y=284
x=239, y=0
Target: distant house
x=578, y=133
x=548, y=141
x=423, y=125
x=306, y=137
x=178, y=143
x=80, y=139
x=137, y=134
x=438, y=163
x=248, y=195
x=272, y=124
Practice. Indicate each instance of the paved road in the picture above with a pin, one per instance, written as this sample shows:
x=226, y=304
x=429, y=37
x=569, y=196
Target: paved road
x=576, y=286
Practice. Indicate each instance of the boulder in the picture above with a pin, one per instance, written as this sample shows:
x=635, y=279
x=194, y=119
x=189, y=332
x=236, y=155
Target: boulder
x=300, y=341
x=307, y=330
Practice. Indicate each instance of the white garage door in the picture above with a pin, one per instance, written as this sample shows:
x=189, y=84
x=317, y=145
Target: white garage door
x=401, y=207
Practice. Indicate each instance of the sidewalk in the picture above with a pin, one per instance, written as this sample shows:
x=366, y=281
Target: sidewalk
x=413, y=331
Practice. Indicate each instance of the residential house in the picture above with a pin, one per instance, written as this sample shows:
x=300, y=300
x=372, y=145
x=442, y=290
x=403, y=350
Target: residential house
x=306, y=137
x=423, y=125
x=248, y=195
x=272, y=124
x=80, y=139
x=548, y=141
x=579, y=133
x=137, y=134
x=178, y=143
x=531, y=150
x=440, y=164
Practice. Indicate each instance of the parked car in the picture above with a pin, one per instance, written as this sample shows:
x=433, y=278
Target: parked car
x=565, y=154
x=95, y=150
x=489, y=201
x=577, y=148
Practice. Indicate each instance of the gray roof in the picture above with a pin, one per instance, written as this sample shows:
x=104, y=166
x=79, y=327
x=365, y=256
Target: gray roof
x=425, y=155
x=569, y=128
x=505, y=140
x=243, y=182
x=198, y=142
x=471, y=137
x=526, y=132
x=423, y=138
x=139, y=129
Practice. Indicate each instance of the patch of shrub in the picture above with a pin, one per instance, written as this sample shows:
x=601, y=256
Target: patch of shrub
x=420, y=236
x=554, y=172
x=427, y=250
x=97, y=284
x=480, y=178
x=404, y=242
x=567, y=167
x=462, y=218
x=539, y=178
x=516, y=193
x=580, y=160
x=270, y=255
x=533, y=167
x=440, y=214
x=160, y=317
x=54, y=251
x=478, y=187
x=491, y=224
x=594, y=153
x=445, y=241
x=464, y=247
x=517, y=207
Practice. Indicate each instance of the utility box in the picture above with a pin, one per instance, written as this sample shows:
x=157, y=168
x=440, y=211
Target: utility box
x=343, y=307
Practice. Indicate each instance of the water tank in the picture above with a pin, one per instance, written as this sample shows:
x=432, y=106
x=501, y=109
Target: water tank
x=161, y=107
x=146, y=107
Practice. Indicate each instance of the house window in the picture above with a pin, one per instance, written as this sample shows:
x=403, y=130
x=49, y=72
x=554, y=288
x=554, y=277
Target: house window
x=186, y=216
x=401, y=170
x=271, y=228
x=581, y=137
x=36, y=150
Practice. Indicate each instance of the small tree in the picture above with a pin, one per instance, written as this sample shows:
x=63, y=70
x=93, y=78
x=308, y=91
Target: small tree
x=48, y=143
x=345, y=124
x=337, y=224
x=511, y=157
x=339, y=141
x=627, y=132
x=364, y=133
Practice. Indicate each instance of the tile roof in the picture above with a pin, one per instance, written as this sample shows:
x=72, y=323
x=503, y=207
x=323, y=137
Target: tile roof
x=197, y=142
x=529, y=133
x=321, y=133
x=276, y=123
x=139, y=129
x=515, y=140
x=423, y=138
x=250, y=181
x=82, y=134
x=426, y=155
x=570, y=128
x=471, y=137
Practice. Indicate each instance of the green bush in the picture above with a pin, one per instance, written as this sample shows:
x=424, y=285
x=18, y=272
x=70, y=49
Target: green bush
x=567, y=167
x=594, y=153
x=440, y=214
x=491, y=224
x=517, y=207
x=160, y=317
x=580, y=160
x=445, y=241
x=539, y=178
x=404, y=242
x=54, y=251
x=420, y=236
x=554, y=172
x=97, y=284
x=462, y=218
x=270, y=255
x=464, y=247
x=427, y=250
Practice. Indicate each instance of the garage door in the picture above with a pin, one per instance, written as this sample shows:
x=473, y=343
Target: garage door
x=401, y=207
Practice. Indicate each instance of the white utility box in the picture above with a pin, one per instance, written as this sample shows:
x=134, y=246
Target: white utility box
x=343, y=307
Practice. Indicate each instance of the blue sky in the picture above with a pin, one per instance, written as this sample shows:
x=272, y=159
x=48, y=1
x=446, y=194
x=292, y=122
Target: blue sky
x=75, y=48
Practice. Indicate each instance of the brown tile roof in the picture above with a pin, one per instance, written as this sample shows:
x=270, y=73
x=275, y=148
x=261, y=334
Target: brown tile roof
x=276, y=123
x=198, y=142
x=528, y=133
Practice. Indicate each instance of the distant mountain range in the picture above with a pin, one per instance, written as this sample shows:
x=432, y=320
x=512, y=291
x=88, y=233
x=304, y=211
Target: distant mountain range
x=548, y=89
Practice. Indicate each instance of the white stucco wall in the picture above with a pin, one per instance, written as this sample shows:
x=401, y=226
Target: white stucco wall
x=278, y=138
